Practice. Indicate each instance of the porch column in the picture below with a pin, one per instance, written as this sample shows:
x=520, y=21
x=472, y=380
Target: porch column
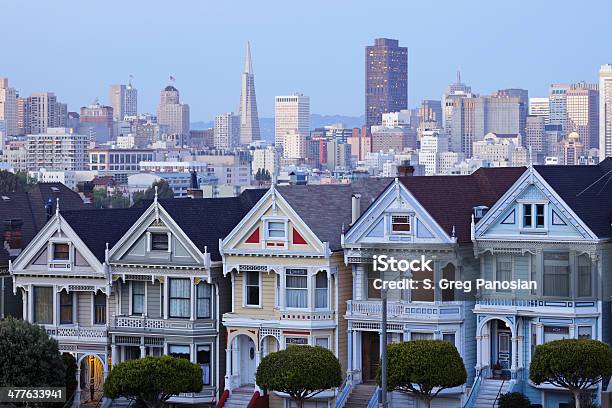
x=228, y=367
x=55, y=306
x=406, y=335
x=31, y=303
x=572, y=331
x=478, y=353
x=513, y=365
x=257, y=361
x=539, y=333
x=350, y=352
x=143, y=349
x=76, y=402
x=192, y=304
x=192, y=353
x=114, y=360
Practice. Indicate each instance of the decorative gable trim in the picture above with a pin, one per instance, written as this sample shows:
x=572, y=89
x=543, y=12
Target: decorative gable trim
x=275, y=202
x=371, y=224
x=254, y=238
x=156, y=216
x=56, y=228
x=530, y=178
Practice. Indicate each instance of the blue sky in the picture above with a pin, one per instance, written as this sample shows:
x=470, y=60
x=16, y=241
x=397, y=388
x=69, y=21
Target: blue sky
x=76, y=48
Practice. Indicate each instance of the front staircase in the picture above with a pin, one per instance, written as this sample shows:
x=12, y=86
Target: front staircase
x=489, y=390
x=360, y=395
x=239, y=397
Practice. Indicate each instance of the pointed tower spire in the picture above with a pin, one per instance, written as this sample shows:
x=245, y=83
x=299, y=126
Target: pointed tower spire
x=458, y=75
x=248, y=65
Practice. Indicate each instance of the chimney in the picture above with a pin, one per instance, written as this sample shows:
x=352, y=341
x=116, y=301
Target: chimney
x=355, y=207
x=405, y=170
x=49, y=209
x=479, y=212
x=194, y=190
x=13, y=236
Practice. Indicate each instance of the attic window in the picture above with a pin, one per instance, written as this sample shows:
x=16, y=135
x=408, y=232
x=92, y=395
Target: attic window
x=61, y=252
x=400, y=224
x=276, y=230
x=159, y=241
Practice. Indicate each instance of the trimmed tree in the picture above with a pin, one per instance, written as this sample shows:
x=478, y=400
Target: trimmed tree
x=153, y=380
x=29, y=357
x=573, y=364
x=299, y=371
x=423, y=368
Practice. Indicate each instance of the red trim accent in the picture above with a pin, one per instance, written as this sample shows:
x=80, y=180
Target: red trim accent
x=296, y=332
x=253, y=400
x=224, y=397
x=254, y=238
x=297, y=238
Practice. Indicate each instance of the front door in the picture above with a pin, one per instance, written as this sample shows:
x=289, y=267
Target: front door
x=247, y=360
x=504, y=351
x=370, y=355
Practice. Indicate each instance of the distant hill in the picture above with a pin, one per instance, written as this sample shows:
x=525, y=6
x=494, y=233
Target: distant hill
x=266, y=125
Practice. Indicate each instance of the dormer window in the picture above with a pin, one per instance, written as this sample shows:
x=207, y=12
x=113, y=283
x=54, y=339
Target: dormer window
x=61, y=251
x=534, y=216
x=159, y=241
x=400, y=224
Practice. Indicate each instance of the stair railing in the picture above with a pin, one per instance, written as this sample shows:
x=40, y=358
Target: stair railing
x=501, y=387
x=474, y=391
x=345, y=390
x=373, y=402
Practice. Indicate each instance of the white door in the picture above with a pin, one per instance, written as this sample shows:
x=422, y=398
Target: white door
x=247, y=360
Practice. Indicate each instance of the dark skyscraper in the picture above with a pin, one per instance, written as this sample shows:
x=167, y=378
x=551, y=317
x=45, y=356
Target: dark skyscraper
x=386, y=82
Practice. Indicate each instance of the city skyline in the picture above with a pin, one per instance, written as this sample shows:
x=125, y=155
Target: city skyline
x=333, y=88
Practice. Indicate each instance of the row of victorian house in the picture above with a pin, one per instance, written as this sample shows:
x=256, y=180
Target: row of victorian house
x=224, y=282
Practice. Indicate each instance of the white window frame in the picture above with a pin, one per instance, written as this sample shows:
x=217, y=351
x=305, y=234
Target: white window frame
x=212, y=362
x=144, y=306
x=532, y=228
x=410, y=224
x=150, y=233
x=307, y=289
x=244, y=290
x=285, y=223
x=495, y=274
x=327, y=288
x=93, y=308
x=329, y=341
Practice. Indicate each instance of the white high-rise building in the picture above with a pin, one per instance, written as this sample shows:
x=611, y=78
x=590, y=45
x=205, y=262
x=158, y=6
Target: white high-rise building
x=605, y=111
x=291, y=112
x=172, y=115
x=57, y=149
x=539, y=107
x=458, y=90
x=432, y=144
x=124, y=100
x=557, y=114
x=8, y=108
x=43, y=111
x=249, y=120
x=266, y=159
x=294, y=145
x=227, y=131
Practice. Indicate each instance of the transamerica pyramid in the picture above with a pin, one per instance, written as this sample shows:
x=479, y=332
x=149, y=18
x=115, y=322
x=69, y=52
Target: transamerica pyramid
x=249, y=121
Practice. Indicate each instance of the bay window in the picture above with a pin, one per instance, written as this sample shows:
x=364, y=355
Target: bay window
x=179, y=297
x=138, y=296
x=503, y=269
x=296, y=283
x=43, y=305
x=203, y=359
x=556, y=274
x=66, y=307
x=584, y=276
x=203, y=305
x=252, y=288
x=321, y=290
x=552, y=333
x=99, y=308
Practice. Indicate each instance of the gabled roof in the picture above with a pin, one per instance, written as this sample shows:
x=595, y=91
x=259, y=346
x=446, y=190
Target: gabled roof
x=587, y=190
x=204, y=220
x=96, y=227
x=30, y=208
x=450, y=200
x=326, y=209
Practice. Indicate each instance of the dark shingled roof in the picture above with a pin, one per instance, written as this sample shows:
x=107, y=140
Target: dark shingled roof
x=450, y=200
x=587, y=190
x=30, y=208
x=204, y=220
x=326, y=209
